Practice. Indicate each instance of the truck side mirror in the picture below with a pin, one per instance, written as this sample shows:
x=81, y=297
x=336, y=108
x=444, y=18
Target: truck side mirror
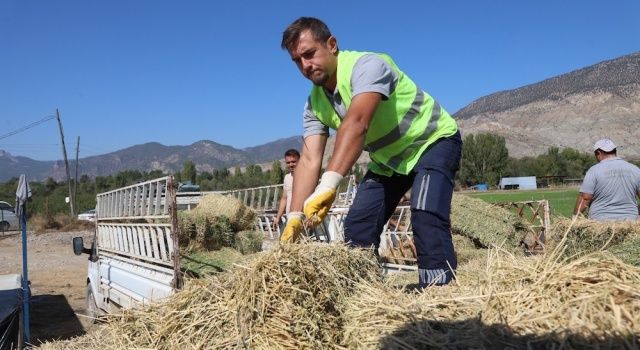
x=78, y=246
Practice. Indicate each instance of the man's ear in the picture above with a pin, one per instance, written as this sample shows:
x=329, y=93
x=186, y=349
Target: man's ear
x=332, y=44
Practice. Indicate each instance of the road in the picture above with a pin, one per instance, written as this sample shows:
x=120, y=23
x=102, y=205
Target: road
x=58, y=280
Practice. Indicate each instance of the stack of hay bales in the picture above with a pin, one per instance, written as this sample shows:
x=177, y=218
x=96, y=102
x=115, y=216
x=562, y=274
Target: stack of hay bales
x=586, y=236
x=215, y=222
x=485, y=224
x=474, y=224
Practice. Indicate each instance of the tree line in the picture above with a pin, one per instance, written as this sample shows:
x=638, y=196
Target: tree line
x=485, y=159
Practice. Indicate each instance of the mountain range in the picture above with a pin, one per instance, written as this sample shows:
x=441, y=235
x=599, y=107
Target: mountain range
x=207, y=155
x=570, y=110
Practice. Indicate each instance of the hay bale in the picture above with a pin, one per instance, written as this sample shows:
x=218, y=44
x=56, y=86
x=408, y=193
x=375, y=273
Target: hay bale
x=586, y=236
x=628, y=251
x=486, y=224
x=466, y=250
x=213, y=206
x=200, y=232
x=186, y=228
x=249, y=242
x=288, y=298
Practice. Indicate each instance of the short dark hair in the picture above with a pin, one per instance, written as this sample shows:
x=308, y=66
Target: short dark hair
x=613, y=152
x=291, y=35
x=292, y=153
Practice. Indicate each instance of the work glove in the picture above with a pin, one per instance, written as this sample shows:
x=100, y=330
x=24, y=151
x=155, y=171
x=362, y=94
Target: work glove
x=318, y=204
x=294, y=228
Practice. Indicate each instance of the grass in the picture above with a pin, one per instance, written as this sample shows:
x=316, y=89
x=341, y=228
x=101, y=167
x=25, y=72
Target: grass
x=561, y=201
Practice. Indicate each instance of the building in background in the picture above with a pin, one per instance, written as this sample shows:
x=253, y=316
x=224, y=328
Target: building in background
x=518, y=183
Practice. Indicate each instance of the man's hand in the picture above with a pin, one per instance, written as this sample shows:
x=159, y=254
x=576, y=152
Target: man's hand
x=294, y=228
x=318, y=204
x=276, y=224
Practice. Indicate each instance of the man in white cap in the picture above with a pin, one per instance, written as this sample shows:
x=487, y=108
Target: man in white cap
x=610, y=188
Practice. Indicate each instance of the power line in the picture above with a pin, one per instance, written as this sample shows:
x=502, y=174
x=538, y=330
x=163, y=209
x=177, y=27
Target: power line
x=27, y=127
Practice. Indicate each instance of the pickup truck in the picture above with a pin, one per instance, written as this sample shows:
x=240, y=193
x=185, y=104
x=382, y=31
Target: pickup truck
x=134, y=256
x=11, y=322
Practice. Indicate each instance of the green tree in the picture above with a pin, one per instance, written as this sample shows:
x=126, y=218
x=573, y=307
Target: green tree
x=484, y=159
x=189, y=171
x=277, y=174
x=49, y=186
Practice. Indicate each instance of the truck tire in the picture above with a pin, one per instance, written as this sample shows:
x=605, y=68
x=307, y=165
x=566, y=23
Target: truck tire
x=92, y=308
x=4, y=226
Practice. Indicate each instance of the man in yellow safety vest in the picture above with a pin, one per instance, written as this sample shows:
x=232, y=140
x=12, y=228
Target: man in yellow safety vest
x=412, y=141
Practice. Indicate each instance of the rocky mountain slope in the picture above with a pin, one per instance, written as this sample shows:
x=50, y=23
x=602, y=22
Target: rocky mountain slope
x=570, y=110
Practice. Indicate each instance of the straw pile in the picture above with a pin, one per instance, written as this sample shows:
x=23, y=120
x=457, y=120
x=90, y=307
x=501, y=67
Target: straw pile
x=288, y=298
x=486, y=224
x=328, y=296
x=587, y=236
x=509, y=302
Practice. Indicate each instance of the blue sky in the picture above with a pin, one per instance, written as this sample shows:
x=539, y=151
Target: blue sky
x=128, y=72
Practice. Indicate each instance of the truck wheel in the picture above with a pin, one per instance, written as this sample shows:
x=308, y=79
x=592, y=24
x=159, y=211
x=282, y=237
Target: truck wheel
x=92, y=308
x=4, y=226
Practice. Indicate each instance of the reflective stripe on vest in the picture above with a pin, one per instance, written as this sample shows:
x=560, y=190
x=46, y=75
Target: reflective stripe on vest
x=403, y=126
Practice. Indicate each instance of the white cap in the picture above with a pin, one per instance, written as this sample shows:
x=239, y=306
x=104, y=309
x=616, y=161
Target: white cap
x=605, y=145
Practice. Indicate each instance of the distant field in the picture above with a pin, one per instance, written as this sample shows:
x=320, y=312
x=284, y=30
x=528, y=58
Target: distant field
x=561, y=201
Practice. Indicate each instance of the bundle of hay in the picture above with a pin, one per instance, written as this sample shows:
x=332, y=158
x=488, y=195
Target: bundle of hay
x=486, y=224
x=586, y=236
x=288, y=298
x=628, y=251
x=214, y=223
x=186, y=229
x=466, y=250
x=507, y=302
x=249, y=242
x=240, y=216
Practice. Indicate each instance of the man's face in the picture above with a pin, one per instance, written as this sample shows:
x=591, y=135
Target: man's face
x=316, y=60
x=291, y=162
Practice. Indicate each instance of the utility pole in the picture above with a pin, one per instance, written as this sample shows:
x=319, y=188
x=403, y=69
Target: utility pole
x=66, y=162
x=75, y=184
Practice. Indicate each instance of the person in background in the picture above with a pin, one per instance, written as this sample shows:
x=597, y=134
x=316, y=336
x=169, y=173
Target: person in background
x=610, y=188
x=412, y=141
x=291, y=158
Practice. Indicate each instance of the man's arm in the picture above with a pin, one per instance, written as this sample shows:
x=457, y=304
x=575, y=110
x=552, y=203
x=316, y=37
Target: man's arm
x=307, y=170
x=351, y=133
x=582, y=203
x=281, y=208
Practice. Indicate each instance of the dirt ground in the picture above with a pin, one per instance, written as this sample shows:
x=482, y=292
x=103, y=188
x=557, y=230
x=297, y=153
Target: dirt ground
x=58, y=281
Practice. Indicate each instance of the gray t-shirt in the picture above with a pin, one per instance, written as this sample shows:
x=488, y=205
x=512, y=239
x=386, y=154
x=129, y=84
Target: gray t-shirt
x=615, y=185
x=370, y=74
